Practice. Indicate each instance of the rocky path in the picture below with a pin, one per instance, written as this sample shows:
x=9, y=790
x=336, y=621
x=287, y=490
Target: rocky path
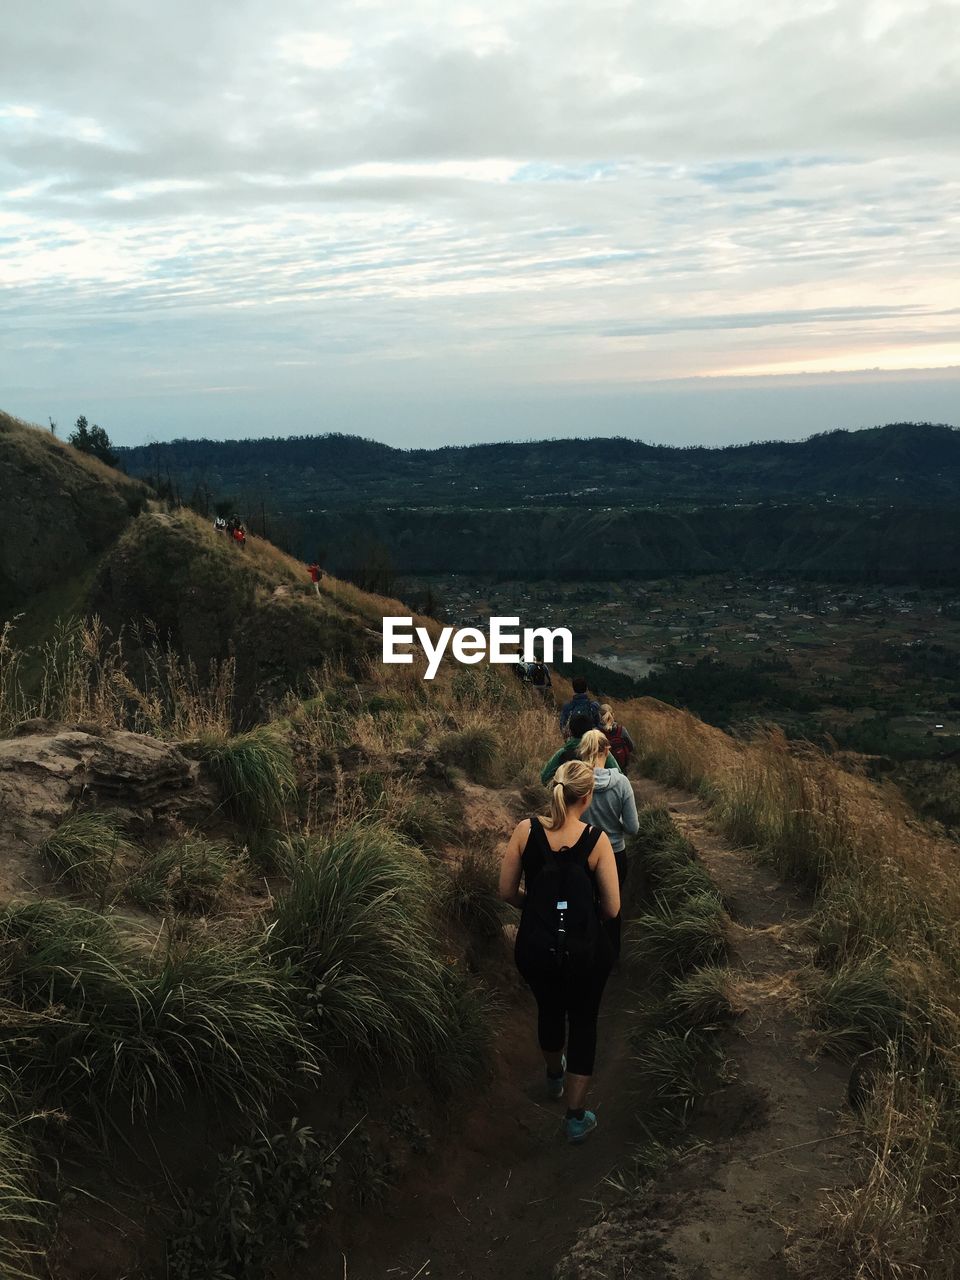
x=505, y=1197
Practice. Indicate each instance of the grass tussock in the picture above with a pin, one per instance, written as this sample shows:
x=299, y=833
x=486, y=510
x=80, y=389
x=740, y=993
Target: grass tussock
x=256, y=776
x=356, y=923
x=677, y=937
x=679, y=943
x=190, y=875
x=472, y=893
x=702, y=1000
x=87, y=849
x=93, y=1020
x=684, y=927
x=22, y=1212
x=859, y=1009
x=428, y=818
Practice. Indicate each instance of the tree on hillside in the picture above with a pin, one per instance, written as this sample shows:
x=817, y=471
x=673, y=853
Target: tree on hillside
x=94, y=441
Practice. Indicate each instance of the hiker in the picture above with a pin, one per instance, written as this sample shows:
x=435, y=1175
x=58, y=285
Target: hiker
x=580, y=723
x=538, y=673
x=220, y=524
x=614, y=806
x=563, y=951
x=621, y=744
x=581, y=701
x=239, y=535
x=316, y=573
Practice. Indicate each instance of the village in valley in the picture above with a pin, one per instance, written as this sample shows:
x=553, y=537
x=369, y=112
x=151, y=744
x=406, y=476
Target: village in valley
x=845, y=655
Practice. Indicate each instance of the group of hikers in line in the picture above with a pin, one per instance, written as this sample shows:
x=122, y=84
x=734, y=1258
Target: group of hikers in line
x=565, y=871
x=233, y=528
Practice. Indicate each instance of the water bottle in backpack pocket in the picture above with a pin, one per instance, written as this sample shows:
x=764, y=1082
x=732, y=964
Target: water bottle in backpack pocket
x=560, y=933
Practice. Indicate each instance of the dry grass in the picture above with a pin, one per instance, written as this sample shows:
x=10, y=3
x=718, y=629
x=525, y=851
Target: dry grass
x=87, y=676
x=42, y=448
x=887, y=906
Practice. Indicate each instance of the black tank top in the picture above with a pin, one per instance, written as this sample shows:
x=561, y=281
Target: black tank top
x=535, y=853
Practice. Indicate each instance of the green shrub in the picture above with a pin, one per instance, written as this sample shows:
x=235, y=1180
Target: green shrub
x=267, y=1194
x=85, y=848
x=97, y=1020
x=356, y=923
x=256, y=776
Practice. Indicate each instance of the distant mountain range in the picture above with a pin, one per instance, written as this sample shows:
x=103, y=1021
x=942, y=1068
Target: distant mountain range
x=911, y=463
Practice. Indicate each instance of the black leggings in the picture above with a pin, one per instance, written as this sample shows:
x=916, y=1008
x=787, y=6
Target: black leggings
x=562, y=1003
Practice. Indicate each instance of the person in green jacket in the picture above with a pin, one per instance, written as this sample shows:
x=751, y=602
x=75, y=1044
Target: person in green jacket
x=580, y=723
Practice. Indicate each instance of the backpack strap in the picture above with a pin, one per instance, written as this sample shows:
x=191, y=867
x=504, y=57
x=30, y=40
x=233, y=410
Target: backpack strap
x=587, y=843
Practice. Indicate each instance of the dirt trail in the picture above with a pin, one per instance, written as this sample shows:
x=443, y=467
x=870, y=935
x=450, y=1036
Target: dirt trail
x=506, y=1197
x=771, y=1134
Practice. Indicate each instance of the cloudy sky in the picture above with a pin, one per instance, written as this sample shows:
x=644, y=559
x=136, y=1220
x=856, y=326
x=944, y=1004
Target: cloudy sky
x=684, y=220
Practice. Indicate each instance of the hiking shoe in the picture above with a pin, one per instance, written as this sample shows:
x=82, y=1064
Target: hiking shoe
x=555, y=1083
x=577, y=1130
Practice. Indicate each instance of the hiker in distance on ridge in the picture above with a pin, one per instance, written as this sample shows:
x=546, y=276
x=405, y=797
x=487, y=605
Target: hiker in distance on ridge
x=580, y=702
x=538, y=674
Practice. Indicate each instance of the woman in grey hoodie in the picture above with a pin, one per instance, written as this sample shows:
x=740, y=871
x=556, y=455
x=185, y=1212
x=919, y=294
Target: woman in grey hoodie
x=614, y=807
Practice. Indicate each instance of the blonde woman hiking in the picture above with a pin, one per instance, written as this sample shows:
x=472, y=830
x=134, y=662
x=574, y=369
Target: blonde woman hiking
x=563, y=951
x=621, y=744
x=613, y=809
x=614, y=806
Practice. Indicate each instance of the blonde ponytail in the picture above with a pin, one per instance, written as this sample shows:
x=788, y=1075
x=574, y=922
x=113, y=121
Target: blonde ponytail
x=571, y=783
x=606, y=717
x=593, y=746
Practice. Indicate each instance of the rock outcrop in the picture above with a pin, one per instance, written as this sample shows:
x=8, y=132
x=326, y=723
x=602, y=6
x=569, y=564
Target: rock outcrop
x=46, y=772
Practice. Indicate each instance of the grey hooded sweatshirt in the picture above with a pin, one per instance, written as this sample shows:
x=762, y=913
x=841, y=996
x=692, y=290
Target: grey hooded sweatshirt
x=614, y=807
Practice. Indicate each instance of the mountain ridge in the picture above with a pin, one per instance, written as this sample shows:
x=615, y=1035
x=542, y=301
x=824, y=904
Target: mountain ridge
x=919, y=462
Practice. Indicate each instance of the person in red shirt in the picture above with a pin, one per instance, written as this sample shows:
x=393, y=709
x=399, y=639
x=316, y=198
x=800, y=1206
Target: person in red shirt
x=315, y=573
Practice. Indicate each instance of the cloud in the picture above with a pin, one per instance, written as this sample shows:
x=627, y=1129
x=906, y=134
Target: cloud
x=488, y=196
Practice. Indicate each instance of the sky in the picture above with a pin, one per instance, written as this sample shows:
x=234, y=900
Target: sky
x=690, y=221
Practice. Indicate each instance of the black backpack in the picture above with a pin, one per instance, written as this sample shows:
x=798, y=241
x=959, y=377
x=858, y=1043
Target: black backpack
x=560, y=932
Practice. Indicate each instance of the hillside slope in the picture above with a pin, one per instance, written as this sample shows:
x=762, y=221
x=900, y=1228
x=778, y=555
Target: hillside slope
x=58, y=508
